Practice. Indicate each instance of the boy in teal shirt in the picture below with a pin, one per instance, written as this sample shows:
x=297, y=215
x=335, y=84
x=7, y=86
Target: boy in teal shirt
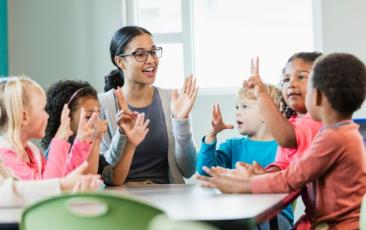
x=257, y=145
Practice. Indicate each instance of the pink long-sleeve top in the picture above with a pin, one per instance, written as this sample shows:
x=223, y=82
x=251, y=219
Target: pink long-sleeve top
x=59, y=163
x=305, y=130
x=335, y=164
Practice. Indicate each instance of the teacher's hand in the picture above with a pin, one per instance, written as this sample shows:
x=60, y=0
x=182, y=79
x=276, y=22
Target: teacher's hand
x=182, y=102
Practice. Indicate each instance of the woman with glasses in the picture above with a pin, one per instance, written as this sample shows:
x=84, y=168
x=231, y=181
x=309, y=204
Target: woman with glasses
x=167, y=154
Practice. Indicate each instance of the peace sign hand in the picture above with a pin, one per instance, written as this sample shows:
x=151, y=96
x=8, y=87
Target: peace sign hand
x=64, y=131
x=86, y=130
x=182, y=102
x=100, y=126
x=255, y=82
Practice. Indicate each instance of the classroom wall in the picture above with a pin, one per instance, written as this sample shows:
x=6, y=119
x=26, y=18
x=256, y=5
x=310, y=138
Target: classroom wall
x=3, y=39
x=52, y=39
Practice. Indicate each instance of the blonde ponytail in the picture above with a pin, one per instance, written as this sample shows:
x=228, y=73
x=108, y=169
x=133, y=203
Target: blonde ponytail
x=13, y=98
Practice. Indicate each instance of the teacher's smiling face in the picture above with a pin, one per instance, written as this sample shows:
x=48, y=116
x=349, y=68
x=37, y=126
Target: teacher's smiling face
x=140, y=60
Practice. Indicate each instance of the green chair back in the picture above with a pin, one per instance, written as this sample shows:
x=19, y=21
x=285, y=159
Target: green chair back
x=363, y=214
x=88, y=211
x=162, y=222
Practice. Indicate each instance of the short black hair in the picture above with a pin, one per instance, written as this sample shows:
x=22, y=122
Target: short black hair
x=342, y=79
x=59, y=94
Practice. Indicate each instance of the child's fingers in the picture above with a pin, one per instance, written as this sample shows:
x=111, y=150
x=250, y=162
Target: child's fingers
x=251, y=66
x=209, y=171
x=256, y=67
x=92, y=119
x=82, y=117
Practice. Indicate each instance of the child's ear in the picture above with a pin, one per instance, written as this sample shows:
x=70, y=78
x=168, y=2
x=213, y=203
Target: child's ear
x=120, y=62
x=25, y=118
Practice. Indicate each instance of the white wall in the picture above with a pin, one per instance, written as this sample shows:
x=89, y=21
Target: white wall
x=340, y=27
x=69, y=39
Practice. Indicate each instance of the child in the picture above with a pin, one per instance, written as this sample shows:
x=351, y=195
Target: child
x=80, y=95
x=257, y=145
x=295, y=134
x=337, y=88
x=22, y=117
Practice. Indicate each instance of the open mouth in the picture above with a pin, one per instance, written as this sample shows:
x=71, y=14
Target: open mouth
x=239, y=122
x=149, y=71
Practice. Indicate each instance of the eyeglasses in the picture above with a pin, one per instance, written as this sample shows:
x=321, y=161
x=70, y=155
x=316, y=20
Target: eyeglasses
x=141, y=55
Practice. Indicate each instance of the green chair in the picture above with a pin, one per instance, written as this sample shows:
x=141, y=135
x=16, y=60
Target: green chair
x=363, y=214
x=89, y=211
x=162, y=222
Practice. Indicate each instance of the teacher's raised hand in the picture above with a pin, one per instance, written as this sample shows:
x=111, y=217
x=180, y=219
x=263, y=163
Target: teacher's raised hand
x=182, y=102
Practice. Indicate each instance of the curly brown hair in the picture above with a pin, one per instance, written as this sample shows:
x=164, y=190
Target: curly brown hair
x=307, y=57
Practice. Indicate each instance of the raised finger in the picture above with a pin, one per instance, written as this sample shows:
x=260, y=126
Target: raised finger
x=82, y=121
x=189, y=83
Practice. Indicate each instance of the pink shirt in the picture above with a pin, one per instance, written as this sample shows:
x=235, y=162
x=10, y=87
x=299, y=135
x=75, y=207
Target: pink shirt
x=305, y=130
x=59, y=161
x=335, y=164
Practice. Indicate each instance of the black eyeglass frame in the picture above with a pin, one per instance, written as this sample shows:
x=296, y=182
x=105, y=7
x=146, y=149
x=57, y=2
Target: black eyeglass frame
x=147, y=53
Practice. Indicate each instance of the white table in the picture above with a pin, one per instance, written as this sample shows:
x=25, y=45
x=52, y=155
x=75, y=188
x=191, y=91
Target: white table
x=193, y=202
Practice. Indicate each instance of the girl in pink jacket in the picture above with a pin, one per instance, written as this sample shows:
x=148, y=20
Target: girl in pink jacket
x=22, y=118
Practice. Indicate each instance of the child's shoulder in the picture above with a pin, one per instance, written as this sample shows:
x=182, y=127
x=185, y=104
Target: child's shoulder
x=305, y=122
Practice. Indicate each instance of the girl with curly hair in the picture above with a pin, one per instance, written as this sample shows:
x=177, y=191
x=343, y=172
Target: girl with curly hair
x=82, y=100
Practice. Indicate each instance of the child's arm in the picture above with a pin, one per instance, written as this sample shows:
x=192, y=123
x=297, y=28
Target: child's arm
x=100, y=127
x=323, y=154
x=59, y=148
x=280, y=128
x=82, y=145
x=207, y=155
x=135, y=130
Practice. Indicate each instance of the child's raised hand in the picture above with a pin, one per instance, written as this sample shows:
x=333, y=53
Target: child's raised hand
x=86, y=130
x=100, y=126
x=136, y=130
x=254, y=81
x=64, y=131
x=217, y=123
x=182, y=102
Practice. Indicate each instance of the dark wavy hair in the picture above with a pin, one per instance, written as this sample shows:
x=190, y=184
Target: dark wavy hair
x=342, y=79
x=113, y=80
x=307, y=57
x=60, y=93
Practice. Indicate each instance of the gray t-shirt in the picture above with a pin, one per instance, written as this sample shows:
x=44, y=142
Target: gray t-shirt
x=150, y=161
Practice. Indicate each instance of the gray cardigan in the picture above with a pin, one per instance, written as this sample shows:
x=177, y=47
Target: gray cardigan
x=181, y=148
